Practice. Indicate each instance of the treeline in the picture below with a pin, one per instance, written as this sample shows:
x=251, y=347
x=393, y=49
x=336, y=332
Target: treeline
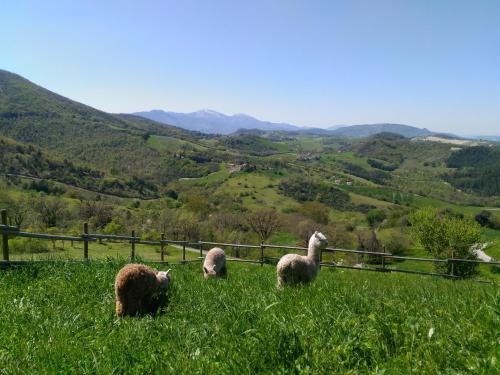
x=381, y=165
x=18, y=161
x=307, y=190
x=252, y=144
x=478, y=170
x=379, y=177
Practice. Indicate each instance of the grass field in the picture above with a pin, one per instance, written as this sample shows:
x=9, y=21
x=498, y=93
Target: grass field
x=106, y=250
x=59, y=318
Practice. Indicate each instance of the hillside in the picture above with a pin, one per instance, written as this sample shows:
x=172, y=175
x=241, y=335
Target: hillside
x=359, y=131
x=118, y=145
x=476, y=170
x=41, y=169
x=139, y=157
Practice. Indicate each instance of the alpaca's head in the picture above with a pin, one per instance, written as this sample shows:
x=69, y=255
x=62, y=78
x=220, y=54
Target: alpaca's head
x=163, y=279
x=318, y=240
x=207, y=272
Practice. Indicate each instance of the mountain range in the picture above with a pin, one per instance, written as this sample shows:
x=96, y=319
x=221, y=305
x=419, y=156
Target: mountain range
x=213, y=122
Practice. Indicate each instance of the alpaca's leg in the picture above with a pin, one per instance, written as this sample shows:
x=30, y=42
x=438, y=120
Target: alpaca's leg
x=281, y=282
x=132, y=307
x=223, y=271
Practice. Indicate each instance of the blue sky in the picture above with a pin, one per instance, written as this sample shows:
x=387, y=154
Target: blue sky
x=428, y=63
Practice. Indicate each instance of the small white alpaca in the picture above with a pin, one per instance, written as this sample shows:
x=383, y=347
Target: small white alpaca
x=294, y=268
x=215, y=263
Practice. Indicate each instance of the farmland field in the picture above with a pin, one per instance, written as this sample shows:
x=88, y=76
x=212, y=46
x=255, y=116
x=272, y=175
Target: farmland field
x=59, y=318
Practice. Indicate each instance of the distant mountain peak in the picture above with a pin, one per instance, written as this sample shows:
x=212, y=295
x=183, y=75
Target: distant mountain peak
x=210, y=112
x=213, y=122
x=366, y=130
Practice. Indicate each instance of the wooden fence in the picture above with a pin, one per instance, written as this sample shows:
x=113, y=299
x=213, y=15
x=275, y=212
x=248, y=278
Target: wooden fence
x=8, y=231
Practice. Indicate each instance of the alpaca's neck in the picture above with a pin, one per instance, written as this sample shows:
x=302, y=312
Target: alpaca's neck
x=313, y=253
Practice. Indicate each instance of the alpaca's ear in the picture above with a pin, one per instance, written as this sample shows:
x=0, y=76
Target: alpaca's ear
x=166, y=273
x=316, y=233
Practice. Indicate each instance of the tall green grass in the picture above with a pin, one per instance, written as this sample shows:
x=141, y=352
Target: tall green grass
x=59, y=318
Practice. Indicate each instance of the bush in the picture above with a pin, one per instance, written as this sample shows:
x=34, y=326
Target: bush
x=315, y=211
x=486, y=219
x=397, y=244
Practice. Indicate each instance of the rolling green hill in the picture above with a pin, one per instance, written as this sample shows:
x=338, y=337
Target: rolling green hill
x=28, y=162
x=195, y=178
x=115, y=144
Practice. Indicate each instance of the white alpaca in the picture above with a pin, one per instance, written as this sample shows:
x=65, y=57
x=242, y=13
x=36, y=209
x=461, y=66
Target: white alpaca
x=215, y=263
x=294, y=268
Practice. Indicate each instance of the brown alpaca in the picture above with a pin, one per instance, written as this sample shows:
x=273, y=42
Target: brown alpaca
x=138, y=288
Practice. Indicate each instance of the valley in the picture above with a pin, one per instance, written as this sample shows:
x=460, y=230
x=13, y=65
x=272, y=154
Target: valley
x=139, y=174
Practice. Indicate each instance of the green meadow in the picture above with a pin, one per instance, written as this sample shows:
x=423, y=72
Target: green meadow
x=58, y=317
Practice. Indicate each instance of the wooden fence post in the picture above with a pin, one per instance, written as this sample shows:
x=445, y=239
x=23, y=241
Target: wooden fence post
x=452, y=263
x=132, y=255
x=184, y=250
x=5, y=237
x=162, y=248
x=85, y=241
x=262, y=254
x=383, y=258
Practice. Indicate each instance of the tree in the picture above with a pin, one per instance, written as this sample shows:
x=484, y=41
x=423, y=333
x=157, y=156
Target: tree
x=50, y=209
x=98, y=213
x=17, y=209
x=263, y=223
x=446, y=236
x=368, y=241
x=375, y=217
x=486, y=219
x=397, y=244
x=197, y=203
x=305, y=230
x=186, y=224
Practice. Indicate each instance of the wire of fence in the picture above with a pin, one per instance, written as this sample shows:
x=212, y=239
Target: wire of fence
x=8, y=231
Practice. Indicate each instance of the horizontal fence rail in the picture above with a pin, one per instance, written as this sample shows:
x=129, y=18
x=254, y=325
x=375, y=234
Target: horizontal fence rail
x=8, y=231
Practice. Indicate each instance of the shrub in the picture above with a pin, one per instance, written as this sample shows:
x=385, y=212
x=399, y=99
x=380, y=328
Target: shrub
x=486, y=219
x=397, y=244
x=315, y=211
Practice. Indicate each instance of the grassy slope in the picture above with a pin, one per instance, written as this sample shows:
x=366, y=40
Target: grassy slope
x=106, y=250
x=60, y=318
x=113, y=143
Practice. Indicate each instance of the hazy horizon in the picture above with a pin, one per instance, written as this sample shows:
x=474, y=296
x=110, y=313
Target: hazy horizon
x=429, y=65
